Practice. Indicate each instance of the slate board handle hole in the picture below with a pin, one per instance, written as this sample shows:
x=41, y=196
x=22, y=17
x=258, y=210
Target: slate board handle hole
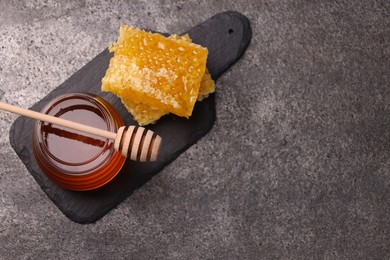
x=231, y=31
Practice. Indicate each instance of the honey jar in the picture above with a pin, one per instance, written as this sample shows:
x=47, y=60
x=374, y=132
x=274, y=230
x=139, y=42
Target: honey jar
x=73, y=159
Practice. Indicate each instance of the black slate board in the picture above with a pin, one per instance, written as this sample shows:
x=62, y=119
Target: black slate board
x=226, y=35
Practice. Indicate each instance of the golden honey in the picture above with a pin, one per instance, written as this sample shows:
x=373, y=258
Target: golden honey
x=73, y=159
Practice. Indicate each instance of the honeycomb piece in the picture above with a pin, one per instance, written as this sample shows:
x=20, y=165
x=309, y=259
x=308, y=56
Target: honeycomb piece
x=164, y=73
x=207, y=86
x=184, y=37
x=145, y=114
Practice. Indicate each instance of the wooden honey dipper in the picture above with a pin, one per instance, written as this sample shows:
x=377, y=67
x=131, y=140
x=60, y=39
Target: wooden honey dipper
x=137, y=143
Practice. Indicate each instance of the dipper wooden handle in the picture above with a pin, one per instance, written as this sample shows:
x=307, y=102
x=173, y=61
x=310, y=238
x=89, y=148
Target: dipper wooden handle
x=137, y=143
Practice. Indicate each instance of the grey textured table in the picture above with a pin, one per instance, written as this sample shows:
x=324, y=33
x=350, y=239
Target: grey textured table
x=296, y=166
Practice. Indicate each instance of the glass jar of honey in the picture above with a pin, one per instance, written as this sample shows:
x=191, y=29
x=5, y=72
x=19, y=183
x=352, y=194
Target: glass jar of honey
x=73, y=159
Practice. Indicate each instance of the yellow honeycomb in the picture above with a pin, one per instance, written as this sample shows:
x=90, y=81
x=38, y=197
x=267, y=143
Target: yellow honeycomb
x=155, y=75
x=207, y=86
x=144, y=114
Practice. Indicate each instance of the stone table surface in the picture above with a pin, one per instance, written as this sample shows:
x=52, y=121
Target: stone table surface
x=297, y=165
